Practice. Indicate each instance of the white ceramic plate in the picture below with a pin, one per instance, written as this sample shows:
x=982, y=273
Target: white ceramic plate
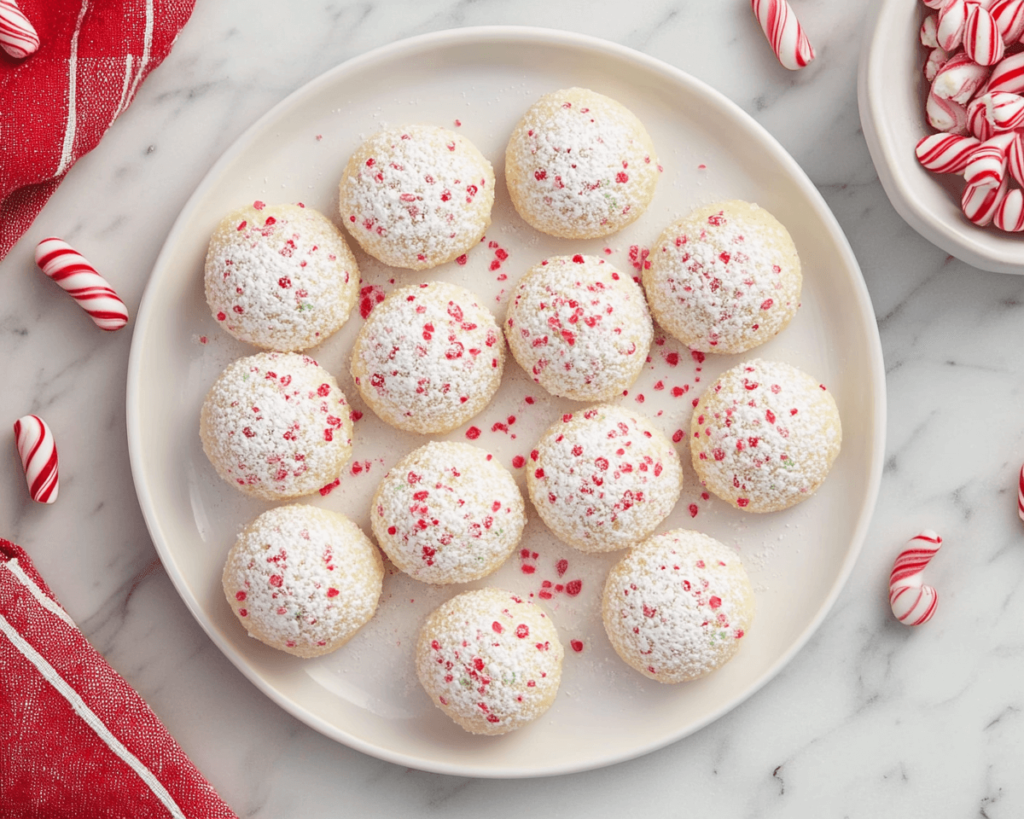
x=365, y=695
x=891, y=97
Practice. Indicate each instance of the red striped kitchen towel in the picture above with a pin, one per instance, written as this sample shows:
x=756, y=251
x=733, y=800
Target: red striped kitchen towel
x=56, y=104
x=76, y=741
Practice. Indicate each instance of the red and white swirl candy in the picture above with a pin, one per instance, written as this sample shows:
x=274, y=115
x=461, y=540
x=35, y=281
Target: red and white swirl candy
x=38, y=457
x=946, y=153
x=1020, y=494
x=982, y=41
x=79, y=279
x=912, y=602
x=784, y=33
x=17, y=35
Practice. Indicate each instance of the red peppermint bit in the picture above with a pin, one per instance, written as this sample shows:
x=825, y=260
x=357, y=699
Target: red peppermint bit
x=741, y=502
x=577, y=645
x=697, y=356
x=332, y=592
x=497, y=627
x=458, y=123
x=462, y=259
x=240, y=596
x=677, y=391
x=672, y=359
x=522, y=631
x=562, y=566
x=326, y=490
x=369, y=297
x=544, y=595
x=518, y=461
x=501, y=253
x=693, y=510
x=528, y=569
x=495, y=265
x=621, y=177
x=677, y=436
x=473, y=433
x=573, y=587
x=640, y=398
x=276, y=581
x=529, y=399
x=258, y=205
x=578, y=259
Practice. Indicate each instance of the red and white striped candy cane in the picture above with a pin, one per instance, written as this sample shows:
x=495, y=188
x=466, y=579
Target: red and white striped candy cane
x=912, y=602
x=1020, y=494
x=73, y=273
x=17, y=36
x=1010, y=213
x=783, y=30
x=38, y=457
x=946, y=153
x=980, y=202
x=981, y=37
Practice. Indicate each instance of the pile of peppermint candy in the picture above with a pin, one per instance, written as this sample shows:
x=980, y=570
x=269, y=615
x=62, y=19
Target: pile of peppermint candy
x=976, y=70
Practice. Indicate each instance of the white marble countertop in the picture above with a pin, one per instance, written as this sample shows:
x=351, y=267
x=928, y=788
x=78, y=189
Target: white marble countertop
x=869, y=719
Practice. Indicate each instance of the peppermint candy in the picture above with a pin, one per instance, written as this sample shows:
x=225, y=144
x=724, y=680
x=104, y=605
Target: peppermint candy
x=38, y=457
x=1009, y=17
x=1009, y=214
x=946, y=153
x=951, y=24
x=982, y=41
x=980, y=202
x=912, y=602
x=1020, y=494
x=66, y=266
x=784, y=33
x=17, y=36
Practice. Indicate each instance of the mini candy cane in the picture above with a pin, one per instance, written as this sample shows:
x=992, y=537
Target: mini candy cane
x=912, y=602
x=988, y=162
x=73, y=273
x=982, y=40
x=980, y=202
x=946, y=153
x=787, y=38
x=952, y=21
x=1008, y=75
x=960, y=79
x=1010, y=213
x=978, y=123
x=38, y=457
x=946, y=115
x=1009, y=17
x=1004, y=111
x=1016, y=159
x=17, y=36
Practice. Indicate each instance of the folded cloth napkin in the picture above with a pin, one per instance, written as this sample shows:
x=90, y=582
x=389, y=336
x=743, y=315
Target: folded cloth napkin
x=57, y=103
x=76, y=741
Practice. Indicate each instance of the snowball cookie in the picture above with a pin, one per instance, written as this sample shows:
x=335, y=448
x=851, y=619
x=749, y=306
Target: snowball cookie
x=280, y=276
x=448, y=513
x=764, y=436
x=303, y=579
x=604, y=478
x=579, y=165
x=490, y=660
x=676, y=607
x=428, y=358
x=724, y=279
x=276, y=425
x=417, y=196
x=579, y=327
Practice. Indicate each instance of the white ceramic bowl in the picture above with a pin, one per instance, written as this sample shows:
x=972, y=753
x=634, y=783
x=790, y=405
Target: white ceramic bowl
x=891, y=96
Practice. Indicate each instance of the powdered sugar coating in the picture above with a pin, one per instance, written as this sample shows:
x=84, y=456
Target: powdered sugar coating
x=416, y=196
x=490, y=660
x=579, y=327
x=303, y=579
x=276, y=425
x=428, y=358
x=280, y=277
x=764, y=436
x=448, y=513
x=580, y=165
x=677, y=606
x=725, y=278
x=604, y=478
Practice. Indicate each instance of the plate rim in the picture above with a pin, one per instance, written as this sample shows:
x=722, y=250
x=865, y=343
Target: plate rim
x=546, y=37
